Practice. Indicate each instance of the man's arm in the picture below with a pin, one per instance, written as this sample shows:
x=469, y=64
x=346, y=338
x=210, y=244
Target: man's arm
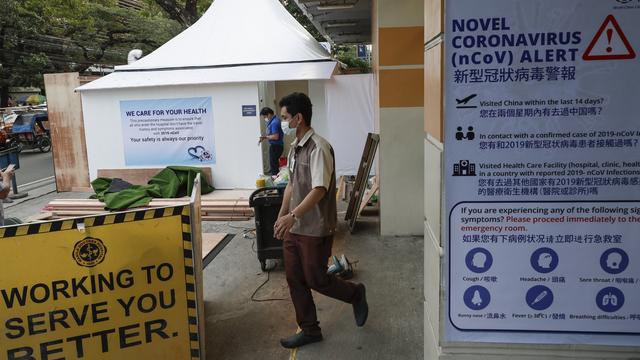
x=286, y=218
x=6, y=183
x=312, y=198
x=284, y=209
x=272, y=137
x=273, y=133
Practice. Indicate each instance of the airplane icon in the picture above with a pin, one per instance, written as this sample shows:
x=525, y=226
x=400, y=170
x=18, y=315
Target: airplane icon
x=462, y=103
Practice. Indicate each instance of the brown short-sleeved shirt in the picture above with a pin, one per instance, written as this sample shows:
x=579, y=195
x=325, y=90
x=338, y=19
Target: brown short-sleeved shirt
x=312, y=165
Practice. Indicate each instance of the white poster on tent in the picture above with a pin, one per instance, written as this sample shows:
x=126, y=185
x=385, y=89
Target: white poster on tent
x=542, y=171
x=168, y=131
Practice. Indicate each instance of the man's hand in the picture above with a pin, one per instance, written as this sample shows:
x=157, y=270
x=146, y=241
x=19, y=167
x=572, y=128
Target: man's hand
x=8, y=173
x=283, y=225
x=262, y=138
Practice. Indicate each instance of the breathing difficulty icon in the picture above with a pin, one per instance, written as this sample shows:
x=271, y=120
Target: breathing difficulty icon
x=610, y=299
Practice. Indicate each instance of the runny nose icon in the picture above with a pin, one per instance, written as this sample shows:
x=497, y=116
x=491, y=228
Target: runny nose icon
x=544, y=260
x=613, y=260
x=479, y=260
x=476, y=300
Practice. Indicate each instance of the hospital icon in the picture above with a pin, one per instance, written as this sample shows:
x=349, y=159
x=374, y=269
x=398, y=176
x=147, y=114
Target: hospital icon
x=479, y=260
x=464, y=168
x=614, y=261
x=477, y=297
x=544, y=260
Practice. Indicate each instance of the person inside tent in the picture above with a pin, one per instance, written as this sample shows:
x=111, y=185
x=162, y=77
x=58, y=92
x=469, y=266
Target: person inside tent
x=275, y=135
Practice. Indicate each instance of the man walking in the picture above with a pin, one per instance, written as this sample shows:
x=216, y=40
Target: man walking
x=275, y=135
x=307, y=222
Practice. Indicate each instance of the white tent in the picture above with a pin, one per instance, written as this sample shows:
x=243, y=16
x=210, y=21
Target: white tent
x=234, y=41
x=194, y=100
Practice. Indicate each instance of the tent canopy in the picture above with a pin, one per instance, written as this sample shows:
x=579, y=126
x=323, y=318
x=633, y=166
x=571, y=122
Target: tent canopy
x=234, y=41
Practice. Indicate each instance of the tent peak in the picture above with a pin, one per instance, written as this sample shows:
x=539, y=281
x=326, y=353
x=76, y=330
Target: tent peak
x=236, y=32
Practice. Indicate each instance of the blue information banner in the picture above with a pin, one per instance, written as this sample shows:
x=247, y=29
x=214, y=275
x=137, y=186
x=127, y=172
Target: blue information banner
x=168, y=131
x=542, y=178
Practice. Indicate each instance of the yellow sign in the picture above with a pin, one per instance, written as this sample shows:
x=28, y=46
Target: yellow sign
x=119, y=286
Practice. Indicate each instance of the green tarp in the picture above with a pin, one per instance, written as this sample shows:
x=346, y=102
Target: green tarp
x=171, y=182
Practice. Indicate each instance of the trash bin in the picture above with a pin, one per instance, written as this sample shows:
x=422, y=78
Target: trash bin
x=266, y=204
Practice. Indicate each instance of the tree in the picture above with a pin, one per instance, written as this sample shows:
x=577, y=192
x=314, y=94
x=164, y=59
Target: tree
x=101, y=32
x=295, y=11
x=347, y=54
x=18, y=63
x=186, y=12
x=71, y=35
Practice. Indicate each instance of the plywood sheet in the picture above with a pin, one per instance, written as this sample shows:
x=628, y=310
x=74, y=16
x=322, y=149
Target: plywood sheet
x=357, y=194
x=433, y=92
x=67, y=131
x=210, y=241
x=141, y=176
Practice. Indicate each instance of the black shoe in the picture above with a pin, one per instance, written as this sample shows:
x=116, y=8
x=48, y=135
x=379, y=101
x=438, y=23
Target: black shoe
x=360, y=307
x=299, y=339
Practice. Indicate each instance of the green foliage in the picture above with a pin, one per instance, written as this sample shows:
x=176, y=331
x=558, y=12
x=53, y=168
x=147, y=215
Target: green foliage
x=70, y=35
x=295, y=11
x=354, y=62
x=185, y=12
x=347, y=55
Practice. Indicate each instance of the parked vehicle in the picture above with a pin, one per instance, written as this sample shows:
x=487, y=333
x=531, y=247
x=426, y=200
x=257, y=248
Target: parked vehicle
x=29, y=132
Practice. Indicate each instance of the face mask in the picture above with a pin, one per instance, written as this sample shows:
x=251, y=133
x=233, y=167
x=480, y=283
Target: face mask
x=266, y=120
x=286, y=129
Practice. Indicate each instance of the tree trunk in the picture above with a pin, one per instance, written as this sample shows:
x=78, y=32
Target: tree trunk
x=174, y=10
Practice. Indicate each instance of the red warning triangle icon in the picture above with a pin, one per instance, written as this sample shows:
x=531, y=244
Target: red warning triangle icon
x=610, y=43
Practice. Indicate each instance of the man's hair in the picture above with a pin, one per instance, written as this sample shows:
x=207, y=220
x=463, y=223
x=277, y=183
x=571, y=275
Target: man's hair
x=298, y=103
x=266, y=111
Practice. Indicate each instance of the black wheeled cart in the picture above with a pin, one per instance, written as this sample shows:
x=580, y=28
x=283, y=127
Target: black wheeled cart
x=266, y=203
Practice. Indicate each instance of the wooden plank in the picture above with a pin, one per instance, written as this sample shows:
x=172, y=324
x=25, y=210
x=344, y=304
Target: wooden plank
x=82, y=189
x=228, y=194
x=341, y=188
x=197, y=238
x=225, y=218
x=210, y=241
x=360, y=185
x=211, y=248
x=433, y=18
x=85, y=79
x=40, y=217
x=142, y=176
x=67, y=131
x=369, y=194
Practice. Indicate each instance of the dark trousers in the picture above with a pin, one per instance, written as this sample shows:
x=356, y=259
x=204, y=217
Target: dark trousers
x=275, y=151
x=305, y=262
